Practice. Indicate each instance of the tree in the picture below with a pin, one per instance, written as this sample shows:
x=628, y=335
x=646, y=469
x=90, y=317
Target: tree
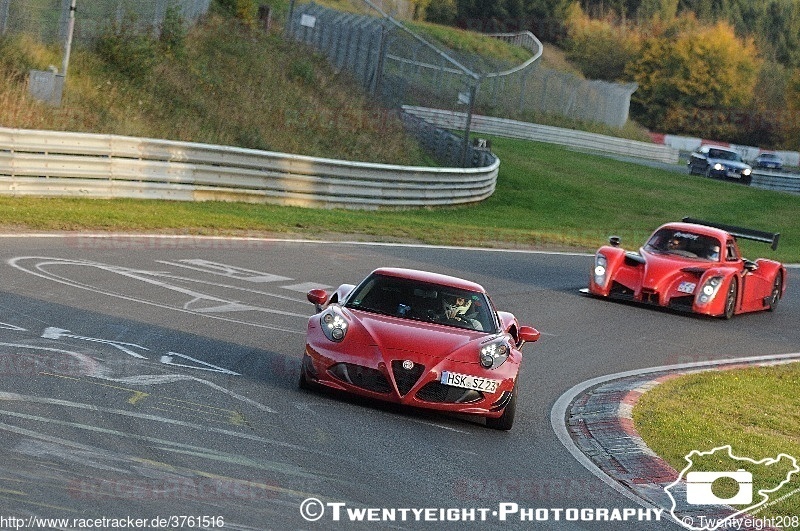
x=660, y=9
x=688, y=67
x=600, y=48
x=442, y=12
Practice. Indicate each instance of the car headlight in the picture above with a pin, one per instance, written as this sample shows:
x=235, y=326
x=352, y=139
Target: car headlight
x=746, y=171
x=495, y=353
x=600, y=269
x=709, y=290
x=719, y=167
x=334, y=326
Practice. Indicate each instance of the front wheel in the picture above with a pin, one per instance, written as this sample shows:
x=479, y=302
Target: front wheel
x=730, y=300
x=303, y=382
x=775, y=296
x=506, y=420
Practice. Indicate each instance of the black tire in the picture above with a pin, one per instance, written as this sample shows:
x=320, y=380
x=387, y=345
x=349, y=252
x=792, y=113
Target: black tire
x=303, y=382
x=775, y=296
x=506, y=420
x=730, y=300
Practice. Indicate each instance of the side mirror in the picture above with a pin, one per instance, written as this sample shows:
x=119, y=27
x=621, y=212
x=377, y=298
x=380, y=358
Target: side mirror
x=615, y=241
x=528, y=334
x=750, y=266
x=318, y=297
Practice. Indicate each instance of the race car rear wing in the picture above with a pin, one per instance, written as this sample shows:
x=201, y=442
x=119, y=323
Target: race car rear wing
x=739, y=232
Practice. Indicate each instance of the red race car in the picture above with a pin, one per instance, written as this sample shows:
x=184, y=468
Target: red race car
x=692, y=266
x=418, y=339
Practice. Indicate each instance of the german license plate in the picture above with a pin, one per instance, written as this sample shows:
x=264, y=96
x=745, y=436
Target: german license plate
x=734, y=174
x=466, y=381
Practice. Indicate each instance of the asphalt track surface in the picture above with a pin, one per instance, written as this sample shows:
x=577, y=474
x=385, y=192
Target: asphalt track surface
x=149, y=377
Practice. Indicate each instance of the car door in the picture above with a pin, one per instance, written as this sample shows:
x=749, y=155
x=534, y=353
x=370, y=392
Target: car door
x=752, y=285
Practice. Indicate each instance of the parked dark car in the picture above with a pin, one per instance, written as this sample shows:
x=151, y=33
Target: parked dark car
x=720, y=163
x=769, y=161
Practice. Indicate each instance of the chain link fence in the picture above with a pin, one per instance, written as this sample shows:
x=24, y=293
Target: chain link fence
x=47, y=19
x=405, y=68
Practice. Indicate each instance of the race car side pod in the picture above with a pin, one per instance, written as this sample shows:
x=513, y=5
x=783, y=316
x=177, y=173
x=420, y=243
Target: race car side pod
x=739, y=232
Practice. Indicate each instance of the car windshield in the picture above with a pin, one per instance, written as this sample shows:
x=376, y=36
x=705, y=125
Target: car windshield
x=768, y=156
x=419, y=301
x=684, y=243
x=724, y=154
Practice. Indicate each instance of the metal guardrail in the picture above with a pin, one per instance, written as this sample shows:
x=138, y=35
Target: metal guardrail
x=542, y=133
x=775, y=180
x=51, y=163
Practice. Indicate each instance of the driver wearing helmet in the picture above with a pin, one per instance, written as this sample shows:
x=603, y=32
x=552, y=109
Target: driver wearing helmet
x=457, y=311
x=674, y=244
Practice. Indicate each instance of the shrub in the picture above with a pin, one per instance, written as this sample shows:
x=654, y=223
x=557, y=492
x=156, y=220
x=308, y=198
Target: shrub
x=173, y=31
x=127, y=49
x=244, y=10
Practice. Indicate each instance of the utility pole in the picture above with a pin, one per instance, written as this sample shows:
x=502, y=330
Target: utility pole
x=473, y=93
x=68, y=45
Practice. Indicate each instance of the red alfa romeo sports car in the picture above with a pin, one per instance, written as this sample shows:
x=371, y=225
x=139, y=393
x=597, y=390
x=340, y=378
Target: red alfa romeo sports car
x=691, y=266
x=419, y=339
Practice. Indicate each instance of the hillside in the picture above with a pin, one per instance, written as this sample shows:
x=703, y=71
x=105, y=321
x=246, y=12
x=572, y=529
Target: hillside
x=224, y=84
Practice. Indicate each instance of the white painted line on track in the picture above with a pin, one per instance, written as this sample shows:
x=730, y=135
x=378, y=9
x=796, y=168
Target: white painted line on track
x=38, y=271
x=558, y=413
x=185, y=237
x=180, y=237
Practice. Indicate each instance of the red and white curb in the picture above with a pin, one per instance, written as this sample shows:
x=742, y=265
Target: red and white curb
x=593, y=420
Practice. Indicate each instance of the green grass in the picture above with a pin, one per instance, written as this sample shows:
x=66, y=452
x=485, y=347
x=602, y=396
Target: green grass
x=755, y=411
x=546, y=197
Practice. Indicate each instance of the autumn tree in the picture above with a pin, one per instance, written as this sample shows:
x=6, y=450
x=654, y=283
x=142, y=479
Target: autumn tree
x=689, y=73
x=600, y=48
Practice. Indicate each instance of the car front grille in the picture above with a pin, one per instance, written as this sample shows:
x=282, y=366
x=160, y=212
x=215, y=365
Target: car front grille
x=447, y=394
x=502, y=402
x=621, y=291
x=363, y=377
x=406, y=378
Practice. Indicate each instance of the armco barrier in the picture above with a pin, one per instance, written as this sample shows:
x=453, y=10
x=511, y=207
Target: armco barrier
x=774, y=180
x=543, y=133
x=49, y=163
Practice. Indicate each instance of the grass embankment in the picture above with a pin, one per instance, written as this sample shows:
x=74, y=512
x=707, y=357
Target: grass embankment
x=227, y=85
x=546, y=197
x=755, y=411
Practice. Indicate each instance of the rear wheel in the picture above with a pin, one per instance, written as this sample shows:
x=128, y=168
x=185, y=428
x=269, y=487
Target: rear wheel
x=775, y=296
x=506, y=420
x=730, y=300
